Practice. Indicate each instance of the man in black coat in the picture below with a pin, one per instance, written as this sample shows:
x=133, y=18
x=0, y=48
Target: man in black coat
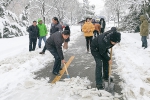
x=99, y=50
x=54, y=45
x=33, y=35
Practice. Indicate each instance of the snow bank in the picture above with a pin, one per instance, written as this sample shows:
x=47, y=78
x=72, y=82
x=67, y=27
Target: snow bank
x=133, y=67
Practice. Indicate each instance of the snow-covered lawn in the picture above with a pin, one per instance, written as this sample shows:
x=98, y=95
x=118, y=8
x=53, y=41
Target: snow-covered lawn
x=133, y=66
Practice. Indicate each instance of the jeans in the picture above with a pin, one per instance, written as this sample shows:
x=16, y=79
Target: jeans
x=57, y=62
x=32, y=44
x=40, y=40
x=88, y=42
x=100, y=63
x=144, y=41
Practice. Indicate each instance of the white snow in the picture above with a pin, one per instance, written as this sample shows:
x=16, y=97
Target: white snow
x=17, y=66
x=133, y=66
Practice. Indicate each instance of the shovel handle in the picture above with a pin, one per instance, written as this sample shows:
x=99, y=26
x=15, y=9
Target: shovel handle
x=110, y=64
x=66, y=70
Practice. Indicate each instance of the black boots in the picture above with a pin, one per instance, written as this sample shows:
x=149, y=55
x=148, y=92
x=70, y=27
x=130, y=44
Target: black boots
x=99, y=87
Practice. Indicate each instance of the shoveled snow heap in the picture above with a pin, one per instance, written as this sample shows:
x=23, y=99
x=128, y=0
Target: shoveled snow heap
x=73, y=89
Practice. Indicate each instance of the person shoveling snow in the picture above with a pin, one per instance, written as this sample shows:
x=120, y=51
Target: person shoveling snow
x=99, y=50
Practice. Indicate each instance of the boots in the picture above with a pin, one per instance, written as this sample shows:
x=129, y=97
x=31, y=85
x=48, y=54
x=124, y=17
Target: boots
x=99, y=87
x=42, y=53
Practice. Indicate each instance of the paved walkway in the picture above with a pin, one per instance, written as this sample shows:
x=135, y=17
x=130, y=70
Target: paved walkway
x=83, y=65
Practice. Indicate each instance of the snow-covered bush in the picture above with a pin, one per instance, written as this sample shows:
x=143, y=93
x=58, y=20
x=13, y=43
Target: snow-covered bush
x=10, y=25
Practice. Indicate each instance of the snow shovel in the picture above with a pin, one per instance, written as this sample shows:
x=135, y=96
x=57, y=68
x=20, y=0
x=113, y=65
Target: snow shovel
x=109, y=86
x=66, y=71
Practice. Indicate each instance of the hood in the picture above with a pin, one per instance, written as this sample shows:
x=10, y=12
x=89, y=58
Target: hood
x=39, y=20
x=142, y=18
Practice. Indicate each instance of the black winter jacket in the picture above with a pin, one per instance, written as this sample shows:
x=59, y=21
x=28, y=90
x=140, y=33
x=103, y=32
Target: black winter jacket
x=55, y=41
x=101, y=44
x=33, y=31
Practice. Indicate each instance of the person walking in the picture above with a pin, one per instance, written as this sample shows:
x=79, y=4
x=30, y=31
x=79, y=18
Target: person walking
x=144, y=30
x=97, y=29
x=66, y=27
x=88, y=29
x=99, y=50
x=103, y=24
x=55, y=26
x=42, y=32
x=33, y=35
x=54, y=45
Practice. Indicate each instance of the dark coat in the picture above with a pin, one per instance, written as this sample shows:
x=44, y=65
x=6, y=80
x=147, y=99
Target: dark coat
x=104, y=23
x=55, y=28
x=100, y=45
x=33, y=31
x=67, y=28
x=55, y=41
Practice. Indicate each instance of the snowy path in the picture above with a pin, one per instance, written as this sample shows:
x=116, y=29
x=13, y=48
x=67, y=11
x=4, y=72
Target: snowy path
x=134, y=67
x=17, y=79
x=17, y=66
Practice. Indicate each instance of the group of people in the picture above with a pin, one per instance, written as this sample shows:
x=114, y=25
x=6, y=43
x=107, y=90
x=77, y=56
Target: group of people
x=98, y=46
x=92, y=27
x=59, y=34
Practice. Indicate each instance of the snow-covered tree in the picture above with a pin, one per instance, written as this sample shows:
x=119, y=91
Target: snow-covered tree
x=9, y=22
x=115, y=9
x=132, y=20
x=69, y=10
x=88, y=10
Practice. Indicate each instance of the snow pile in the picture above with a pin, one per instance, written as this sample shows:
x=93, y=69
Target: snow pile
x=73, y=89
x=133, y=67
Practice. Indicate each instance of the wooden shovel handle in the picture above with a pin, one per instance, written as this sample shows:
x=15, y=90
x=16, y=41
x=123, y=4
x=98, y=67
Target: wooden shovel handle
x=66, y=69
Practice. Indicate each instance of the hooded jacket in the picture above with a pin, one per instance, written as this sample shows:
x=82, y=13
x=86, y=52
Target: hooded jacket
x=101, y=44
x=88, y=29
x=42, y=29
x=144, y=26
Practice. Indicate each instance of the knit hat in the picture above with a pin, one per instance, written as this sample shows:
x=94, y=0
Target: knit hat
x=113, y=29
x=115, y=37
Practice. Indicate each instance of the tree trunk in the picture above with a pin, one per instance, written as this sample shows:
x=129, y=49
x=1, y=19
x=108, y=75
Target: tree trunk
x=118, y=18
x=71, y=18
x=43, y=12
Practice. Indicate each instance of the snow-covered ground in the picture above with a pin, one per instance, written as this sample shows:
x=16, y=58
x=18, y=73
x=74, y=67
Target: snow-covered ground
x=17, y=65
x=133, y=66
